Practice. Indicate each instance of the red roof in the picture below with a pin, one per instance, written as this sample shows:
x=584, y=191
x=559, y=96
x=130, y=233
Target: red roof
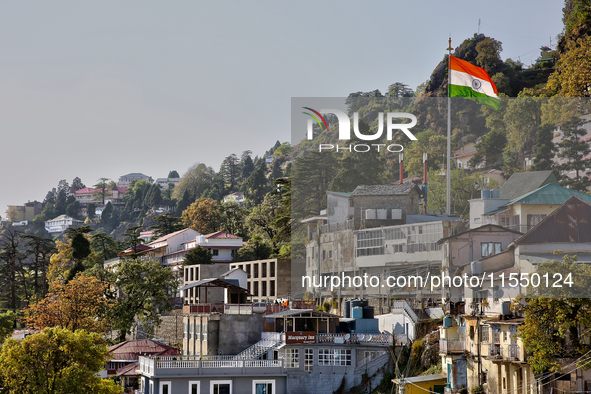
x=222, y=235
x=132, y=350
x=140, y=248
x=86, y=190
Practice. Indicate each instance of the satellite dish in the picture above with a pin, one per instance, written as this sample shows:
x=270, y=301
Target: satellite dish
x=500, y=293
x=361, y=337
x=369, y=338
x=461, y=330
x=347, y=336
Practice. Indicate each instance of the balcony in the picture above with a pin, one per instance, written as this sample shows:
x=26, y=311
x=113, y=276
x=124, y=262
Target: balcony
x=452, y=345
x=363, y=339
x=207, y=365
x=500, y=352
x=221, y=308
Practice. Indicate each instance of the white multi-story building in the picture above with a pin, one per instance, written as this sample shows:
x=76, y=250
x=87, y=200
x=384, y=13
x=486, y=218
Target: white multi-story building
x=61, y=224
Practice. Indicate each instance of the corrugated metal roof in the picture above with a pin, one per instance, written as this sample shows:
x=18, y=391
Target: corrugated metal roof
x=551, y=194
x=341, y=194
x=571, y=222
x=131, y=350
x=522, y=183
x=383, y=190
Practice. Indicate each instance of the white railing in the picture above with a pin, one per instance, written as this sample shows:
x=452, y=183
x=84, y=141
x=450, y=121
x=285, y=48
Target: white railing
x=263, y=363
x=269, y=342
x=151, y=365
x=222, y=364
x=405, y=306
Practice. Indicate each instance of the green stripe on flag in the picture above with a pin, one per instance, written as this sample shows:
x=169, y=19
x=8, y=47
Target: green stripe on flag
x=469, y=93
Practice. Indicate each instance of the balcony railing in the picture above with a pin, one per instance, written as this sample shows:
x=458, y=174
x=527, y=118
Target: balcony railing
x=513, y=351
x=496, y=350
x=452, y=345
x=228, y=309
x=377, y=339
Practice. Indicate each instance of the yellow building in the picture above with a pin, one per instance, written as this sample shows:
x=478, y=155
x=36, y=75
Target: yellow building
x=422, y=384
x=524, y=212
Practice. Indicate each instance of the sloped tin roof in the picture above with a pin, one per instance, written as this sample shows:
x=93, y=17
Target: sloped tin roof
x=570, y=223
x=522, y=183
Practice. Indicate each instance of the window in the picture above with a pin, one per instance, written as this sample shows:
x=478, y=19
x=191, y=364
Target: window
x=495, y=293
x=192, y=273
x=334, y=357
x=191, y=330
x=215, y=252
x=485, y=334
x=165, y=388
x=151, y=387
x=308, y=359
x=292, y=358
x=263, y=386
x=272, y=288
x=198, y=331
x=248, y=286
x=263, y=289
x=233, y=253
x=489, y=248
x=324, y=255
x=248, y=270
x=255, y=289
x=330, y=254
x=272, y=269
x=263, y=270
x=194, y=387
x=504, y=336
x=255, y=270
x=204, y=331
x=185, y=331
x=186, y=274
x=220, y=387
x=533, y=220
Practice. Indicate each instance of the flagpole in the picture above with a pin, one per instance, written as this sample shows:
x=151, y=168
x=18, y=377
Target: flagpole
x=448, y=175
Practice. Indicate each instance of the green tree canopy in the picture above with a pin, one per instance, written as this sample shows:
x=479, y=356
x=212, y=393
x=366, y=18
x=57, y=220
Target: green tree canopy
x=55, y=360
x=145, y=285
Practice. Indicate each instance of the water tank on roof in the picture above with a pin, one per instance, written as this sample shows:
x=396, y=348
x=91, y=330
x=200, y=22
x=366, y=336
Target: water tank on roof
x=357, y=312
x=495, y=193
x=485, y=193
x=447, y=322
x=368, y=312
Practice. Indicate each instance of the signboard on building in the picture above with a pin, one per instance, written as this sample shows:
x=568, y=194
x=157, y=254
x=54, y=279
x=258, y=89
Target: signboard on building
x=300, y=337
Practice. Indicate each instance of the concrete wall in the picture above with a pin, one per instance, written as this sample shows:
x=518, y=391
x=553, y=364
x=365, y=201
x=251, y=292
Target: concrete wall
x=409, y=204
x=337, y=208
x=226, y=334
x=478, y=207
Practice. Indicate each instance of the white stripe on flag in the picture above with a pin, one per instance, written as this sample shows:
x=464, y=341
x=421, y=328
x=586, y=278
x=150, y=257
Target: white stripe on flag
x=465, y=79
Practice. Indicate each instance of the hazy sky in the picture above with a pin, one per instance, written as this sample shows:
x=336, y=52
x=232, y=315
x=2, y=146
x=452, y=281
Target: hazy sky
x=101, y=89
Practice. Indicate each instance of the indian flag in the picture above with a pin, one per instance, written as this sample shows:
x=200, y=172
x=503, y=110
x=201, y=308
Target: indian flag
x=469, y=81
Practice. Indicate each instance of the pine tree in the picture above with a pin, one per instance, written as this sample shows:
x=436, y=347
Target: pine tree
x=574, y=151
x=544, y=149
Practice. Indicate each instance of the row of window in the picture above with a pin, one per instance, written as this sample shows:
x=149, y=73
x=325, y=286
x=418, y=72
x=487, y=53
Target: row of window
x=218, y=387
x=326, y=357
x=263, y=288
x=195, y=330
x=253, y=268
